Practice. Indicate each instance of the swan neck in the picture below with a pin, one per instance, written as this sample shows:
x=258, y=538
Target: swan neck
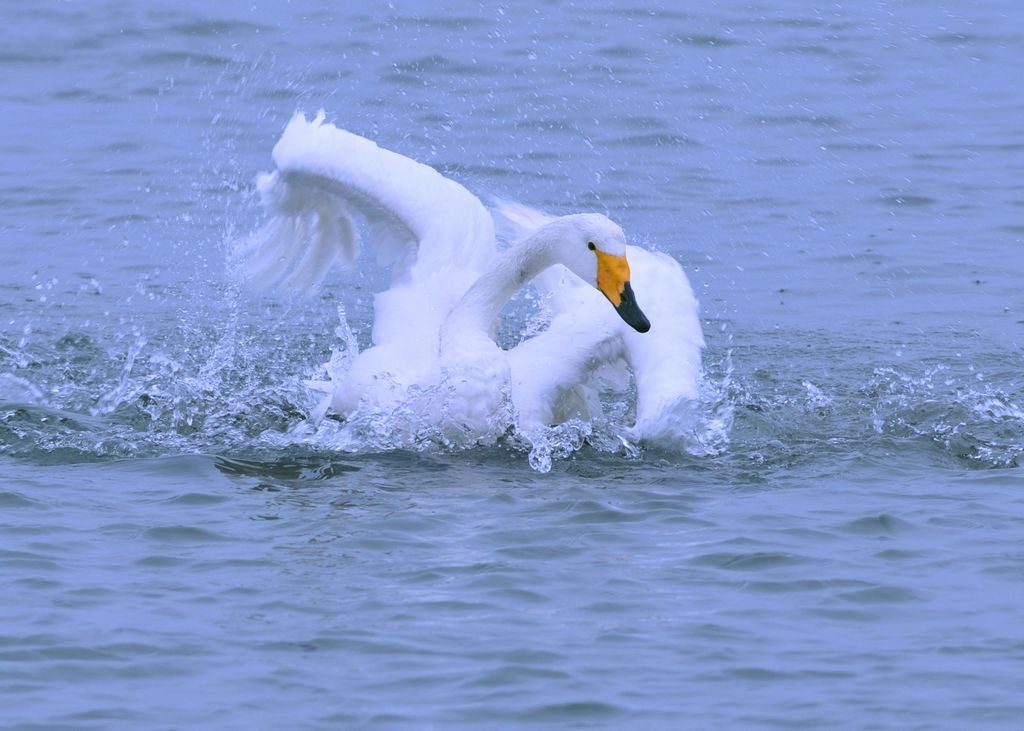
x=482, y=304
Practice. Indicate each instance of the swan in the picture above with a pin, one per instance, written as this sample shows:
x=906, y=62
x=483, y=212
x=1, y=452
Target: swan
x=587, y=244
x=434, y=325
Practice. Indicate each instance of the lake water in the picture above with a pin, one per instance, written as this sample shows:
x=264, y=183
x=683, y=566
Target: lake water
x=844, y=184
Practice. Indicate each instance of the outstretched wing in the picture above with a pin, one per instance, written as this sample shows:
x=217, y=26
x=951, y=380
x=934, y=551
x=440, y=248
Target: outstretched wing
x=435, y=235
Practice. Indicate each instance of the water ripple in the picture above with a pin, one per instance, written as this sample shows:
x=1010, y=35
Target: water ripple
x=837, y=545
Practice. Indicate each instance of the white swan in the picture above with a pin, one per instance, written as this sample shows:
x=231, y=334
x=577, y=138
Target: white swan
x=435, y=324
x=581, y=337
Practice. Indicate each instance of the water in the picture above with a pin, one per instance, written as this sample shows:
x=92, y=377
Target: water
x=181, y=548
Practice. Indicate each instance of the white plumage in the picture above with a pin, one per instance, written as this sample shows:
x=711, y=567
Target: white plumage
x=434, y=325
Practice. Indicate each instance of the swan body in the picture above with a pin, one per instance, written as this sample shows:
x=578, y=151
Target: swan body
x=434, y=325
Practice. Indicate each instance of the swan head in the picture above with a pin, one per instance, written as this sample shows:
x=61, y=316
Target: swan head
x=593, y=247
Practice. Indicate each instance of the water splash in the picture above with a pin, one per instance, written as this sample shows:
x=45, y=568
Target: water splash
x=715, y=412
x=126, y=388
x=966, y=417
x=227, y=376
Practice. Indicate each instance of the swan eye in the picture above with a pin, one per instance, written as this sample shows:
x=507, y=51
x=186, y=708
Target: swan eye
x=590, y=245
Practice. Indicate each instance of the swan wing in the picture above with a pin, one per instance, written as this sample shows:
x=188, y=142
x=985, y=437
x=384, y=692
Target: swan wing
x=666, y=361
x=419, y=222
x=552, y=373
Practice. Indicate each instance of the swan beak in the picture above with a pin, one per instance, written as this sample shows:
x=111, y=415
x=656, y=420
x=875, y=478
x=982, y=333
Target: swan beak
x=630, y=312
x=613, y=281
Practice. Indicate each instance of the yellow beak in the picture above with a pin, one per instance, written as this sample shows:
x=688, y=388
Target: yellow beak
x=613, y=281
x=612, y=276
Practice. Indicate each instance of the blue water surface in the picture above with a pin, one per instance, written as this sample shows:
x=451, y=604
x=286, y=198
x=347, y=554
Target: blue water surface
x=841, y=549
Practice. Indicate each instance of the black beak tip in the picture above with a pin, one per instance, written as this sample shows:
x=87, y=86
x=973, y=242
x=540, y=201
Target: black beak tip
x=630, y=311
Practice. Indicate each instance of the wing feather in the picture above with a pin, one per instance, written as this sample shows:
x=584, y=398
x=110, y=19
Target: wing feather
x=417, y=221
